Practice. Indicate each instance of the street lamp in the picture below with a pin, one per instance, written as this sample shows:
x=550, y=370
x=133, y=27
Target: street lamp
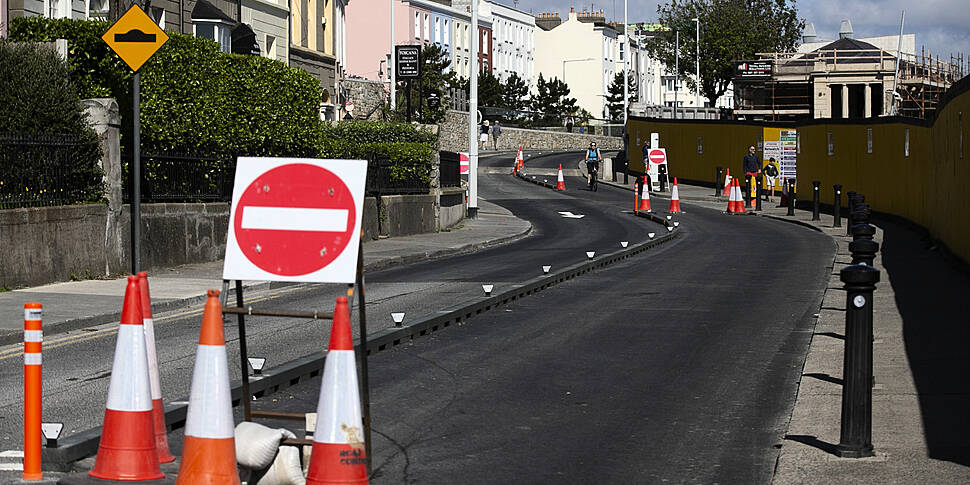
x=391, y=75
x=697, y=79
x=626, y=56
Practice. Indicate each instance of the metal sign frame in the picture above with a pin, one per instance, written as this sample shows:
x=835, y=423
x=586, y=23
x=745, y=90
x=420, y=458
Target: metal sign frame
x=407, y=61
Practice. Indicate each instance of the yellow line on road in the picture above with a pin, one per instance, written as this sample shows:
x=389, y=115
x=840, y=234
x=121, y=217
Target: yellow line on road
x=56, y=342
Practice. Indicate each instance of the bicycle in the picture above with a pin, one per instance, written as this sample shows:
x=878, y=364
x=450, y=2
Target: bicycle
x=593, y=168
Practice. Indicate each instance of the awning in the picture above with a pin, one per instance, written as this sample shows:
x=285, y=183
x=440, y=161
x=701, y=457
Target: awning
x=244, y=40
x=205, y=11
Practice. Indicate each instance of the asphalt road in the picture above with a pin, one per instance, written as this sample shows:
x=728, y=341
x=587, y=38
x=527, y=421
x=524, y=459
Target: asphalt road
x=679, y=365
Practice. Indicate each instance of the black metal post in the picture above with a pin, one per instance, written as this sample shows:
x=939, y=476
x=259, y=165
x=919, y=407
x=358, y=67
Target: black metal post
x=791, y=197
x=135, y=175
x=362, y=356
x=718, y=182
x=243, y=356
x=848, y=227
x=856, y=434
x=837, y=206
x=408, y=106
x=815, y=186
x=757, y=182
x=640, y=187
x=747, y=191
x=863, y=249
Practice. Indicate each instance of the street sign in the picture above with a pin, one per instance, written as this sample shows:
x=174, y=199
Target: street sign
x=135, y=37
x=658, y=155
x=295, y=219
x=407, y=61
x=463, y=162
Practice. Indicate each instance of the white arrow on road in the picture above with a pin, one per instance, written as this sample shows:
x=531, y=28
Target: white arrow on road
x=570, y=215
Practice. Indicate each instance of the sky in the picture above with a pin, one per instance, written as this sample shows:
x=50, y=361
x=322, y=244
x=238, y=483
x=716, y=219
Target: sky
x=943, y=26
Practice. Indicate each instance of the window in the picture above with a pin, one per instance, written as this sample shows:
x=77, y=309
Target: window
x=58, y=9
x=427, y=27
x=158, y=15
x=214, y=31
x=417, y=25
x=98, y=9
x=447, y=39
x=437, y=30
x=270, y=46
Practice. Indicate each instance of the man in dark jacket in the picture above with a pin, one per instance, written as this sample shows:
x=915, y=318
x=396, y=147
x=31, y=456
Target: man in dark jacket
x=752, y=168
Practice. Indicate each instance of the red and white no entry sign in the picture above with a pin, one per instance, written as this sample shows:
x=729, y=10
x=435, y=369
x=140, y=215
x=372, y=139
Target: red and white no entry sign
x=658, y=155
x=295, y=220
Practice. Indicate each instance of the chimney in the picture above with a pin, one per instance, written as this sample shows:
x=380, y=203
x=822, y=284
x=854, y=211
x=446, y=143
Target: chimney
x=548, y=21
x=809, y=35
x=845, y=30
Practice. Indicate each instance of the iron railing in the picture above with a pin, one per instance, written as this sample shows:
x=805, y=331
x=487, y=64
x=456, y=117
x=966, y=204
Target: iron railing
x=449, y=169
x=389, y=178
x=183, y=177
x=47, y=170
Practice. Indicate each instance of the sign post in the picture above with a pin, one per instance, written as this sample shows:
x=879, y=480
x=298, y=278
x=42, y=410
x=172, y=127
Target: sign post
x=407, y=65
x=655, y=158
x=135, y=37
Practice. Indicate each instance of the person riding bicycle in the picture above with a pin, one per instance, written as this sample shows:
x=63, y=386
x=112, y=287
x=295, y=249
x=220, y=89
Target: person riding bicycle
x=593, y=158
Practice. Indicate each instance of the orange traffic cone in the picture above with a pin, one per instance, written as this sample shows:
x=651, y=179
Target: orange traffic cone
x=739, y=197
x=731, y=209
x=674, y=198
x=155, y=384
x=209, y=450
x=645, y=197
x=727, y=183
x=338, y=454
x=127, y=448
x=560, y=183
x=519, y=160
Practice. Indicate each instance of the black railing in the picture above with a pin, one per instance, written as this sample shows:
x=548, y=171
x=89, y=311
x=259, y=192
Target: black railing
x=183, y=177
x=46, y=170
x=449, y=169
x=387, y=178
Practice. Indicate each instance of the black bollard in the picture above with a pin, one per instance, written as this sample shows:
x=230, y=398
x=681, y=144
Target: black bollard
x=747, y=191
x=815, y=186
x=864, y=251
x=837, y=206
x=791, y=197
x=638, y=192
x=863, y=231
x=757, y=204
x=855, y=199
x=856, y=436
x=718, y=182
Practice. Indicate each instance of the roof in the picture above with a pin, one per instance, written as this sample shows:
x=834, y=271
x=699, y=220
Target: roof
x=206, y=11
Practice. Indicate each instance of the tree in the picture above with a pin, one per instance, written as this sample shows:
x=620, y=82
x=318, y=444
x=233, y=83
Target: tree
x=489, y=90
x=731, y=30
x=514, y=93
x=435, y=78
x=551, y=102
x=615, y=99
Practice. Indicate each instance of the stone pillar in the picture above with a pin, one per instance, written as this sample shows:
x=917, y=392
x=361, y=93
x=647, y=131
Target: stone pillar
x=105, y=119
x=845, y=100
x=868, y=101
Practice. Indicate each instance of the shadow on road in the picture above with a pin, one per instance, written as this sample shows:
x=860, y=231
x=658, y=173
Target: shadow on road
x=931, y=292
x=812, y=441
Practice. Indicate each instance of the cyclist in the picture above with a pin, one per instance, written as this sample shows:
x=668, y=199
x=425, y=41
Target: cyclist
x=593, y=158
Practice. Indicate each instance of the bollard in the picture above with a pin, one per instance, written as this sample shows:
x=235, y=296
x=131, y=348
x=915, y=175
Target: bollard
x=863, y=231
x=638, y=193
x=863, y=251
x=791, y=197
x=33, y=338
x=757, y=183
x=856, y=433
x=851, y=203
x=718, y=182
x=747, y=191
x=815, y=186
x=837, y=206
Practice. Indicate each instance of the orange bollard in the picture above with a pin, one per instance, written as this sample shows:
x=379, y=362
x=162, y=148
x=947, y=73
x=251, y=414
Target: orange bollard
x=33, y=336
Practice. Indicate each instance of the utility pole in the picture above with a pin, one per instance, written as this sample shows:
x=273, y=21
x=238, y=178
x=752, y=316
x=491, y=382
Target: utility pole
x=473, y=116
x=676, y=68
x=899, y=57
x=626, y=57
x=697, y=45
x=391, y=63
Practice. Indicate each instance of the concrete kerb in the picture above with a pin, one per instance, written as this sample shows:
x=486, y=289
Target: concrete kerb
x=81, y=445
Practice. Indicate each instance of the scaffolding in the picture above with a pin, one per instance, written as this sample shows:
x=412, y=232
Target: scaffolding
x=923, y=79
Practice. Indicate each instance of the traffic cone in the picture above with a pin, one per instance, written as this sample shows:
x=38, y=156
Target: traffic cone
x=732, y=199
x=645, y=198
x=209, y=450
x=519, y=160
x=338, y=454
x=674, y=198
x=155, y=384
x=560, y=183
x=728, y=186
x=739, y=198
x=127, y=448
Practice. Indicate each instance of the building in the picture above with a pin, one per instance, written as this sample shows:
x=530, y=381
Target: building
x=318, y=36
x=513, y=43
x=582, y=52
x=844, y=78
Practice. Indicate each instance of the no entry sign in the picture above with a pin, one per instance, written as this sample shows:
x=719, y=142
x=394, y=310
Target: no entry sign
x=658, y=155
x=295, y=220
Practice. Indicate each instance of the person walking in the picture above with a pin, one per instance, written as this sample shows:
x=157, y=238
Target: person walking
x=751, y=168
x=484, y=137
x=496, y=131
x=771, y=174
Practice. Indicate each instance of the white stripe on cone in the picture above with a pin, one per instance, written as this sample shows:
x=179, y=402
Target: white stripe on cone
x=338, y=412
x=154, y=383
x=129, y=388
x=210, y=402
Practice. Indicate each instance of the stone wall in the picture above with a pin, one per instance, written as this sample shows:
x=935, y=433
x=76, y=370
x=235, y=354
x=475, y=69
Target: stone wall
x=368, y=97
x=454, y=137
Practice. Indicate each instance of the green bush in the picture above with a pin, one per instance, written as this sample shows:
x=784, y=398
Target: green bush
x=47, y=151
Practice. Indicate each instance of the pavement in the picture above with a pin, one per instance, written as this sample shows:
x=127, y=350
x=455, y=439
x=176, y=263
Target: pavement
x=921, y=393
x=76, y=304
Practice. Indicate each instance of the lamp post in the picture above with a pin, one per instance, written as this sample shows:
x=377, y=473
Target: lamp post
x=473, y=115
x=676, y=69
x=391, y=64
x=626, y=56
x=697, y=46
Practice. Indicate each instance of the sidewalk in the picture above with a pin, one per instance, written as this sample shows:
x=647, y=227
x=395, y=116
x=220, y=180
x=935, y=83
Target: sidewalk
x=921, y=396
x=76, y=304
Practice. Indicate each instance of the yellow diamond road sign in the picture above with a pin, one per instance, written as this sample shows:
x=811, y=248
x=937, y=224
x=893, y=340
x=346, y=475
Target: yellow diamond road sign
x=135, y=37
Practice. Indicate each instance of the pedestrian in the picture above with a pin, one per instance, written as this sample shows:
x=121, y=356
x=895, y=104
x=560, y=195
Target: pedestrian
x=569, y=124
x=496, y=131
x=771, y=174
x=484, y=137
x=752, y=168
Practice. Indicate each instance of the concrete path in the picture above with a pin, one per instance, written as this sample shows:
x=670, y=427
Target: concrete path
x=920, y=421
x=76, y=304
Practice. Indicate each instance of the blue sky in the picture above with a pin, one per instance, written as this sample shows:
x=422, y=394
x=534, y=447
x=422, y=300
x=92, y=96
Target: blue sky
x=943, y=26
